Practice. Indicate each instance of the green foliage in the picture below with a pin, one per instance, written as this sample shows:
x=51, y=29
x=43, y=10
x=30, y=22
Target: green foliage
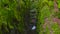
x=45, y=11
x=12, y=14
x=56, y=28
x=58, y=1
x=8, y=13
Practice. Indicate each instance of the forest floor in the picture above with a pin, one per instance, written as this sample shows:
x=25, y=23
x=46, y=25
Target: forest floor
x=48, y=23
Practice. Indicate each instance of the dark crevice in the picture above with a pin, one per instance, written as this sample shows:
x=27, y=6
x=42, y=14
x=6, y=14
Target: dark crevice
x=6, y=5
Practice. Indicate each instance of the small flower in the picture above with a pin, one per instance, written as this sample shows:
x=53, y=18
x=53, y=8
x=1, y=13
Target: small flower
x=34, y=27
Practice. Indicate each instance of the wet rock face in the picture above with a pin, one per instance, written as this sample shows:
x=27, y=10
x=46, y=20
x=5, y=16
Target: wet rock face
x=30, y=20
x=33, y=18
